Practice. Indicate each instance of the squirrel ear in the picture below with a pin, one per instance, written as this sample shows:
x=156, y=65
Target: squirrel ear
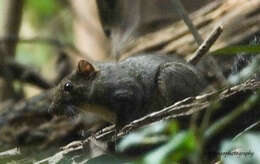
x=85, y=68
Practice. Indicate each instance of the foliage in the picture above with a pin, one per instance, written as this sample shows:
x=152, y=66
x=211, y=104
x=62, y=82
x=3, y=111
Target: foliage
x=147, y=135
x=179, y=147
x=253, y=48
x=236, y=49
x=41, y=11
x=175, y=146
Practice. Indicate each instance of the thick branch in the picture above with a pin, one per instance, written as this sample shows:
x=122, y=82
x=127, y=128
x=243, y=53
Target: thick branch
x=23, y=73
x=10, y=25
x=11, y=22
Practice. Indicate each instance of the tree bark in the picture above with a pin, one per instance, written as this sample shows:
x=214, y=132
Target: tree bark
x=10, y=26
x=89, y=36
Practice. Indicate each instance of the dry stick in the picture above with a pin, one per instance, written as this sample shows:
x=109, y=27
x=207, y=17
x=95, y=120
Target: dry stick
x=246, y=130
x=9, y=25
x=168, y=113
x=205, y=46
x=220, y=124
x=241, y=109
x=184, y=15
x=180, y=108
x=185, y=107
x=23, y=73
x=10, y=153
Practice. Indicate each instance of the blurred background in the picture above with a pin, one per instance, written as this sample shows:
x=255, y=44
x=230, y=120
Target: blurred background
x=42, y=40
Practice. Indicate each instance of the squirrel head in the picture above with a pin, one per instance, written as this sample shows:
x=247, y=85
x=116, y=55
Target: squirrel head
x=73, y=90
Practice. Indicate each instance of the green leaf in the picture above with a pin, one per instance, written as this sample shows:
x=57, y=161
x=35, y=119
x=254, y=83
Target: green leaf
x=144, y=136
x=180, y=146
x=41, y=11
x=173, y=127
x=234, y=50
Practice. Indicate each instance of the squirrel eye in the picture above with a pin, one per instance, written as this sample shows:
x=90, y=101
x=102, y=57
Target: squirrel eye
x=68, y=86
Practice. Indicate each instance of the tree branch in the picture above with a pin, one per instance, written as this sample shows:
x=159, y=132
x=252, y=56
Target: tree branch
x=23, y=73
x=221, y=124
x=184, y=15
x=10, y=25
x=205, y=46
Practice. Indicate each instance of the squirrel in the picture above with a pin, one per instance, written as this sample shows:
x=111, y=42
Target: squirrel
x=120, y=92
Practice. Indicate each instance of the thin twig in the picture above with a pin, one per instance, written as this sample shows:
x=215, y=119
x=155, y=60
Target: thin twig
x=184, y=107
x=246, y=130
x=184, y=15
x=198, y=38
x=206, y=118
x=205, y=46
x=221, y=124
x=10, y=153
x=23, y=73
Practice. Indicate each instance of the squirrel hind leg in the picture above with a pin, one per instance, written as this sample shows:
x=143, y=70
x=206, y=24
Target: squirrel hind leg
x=177, y=81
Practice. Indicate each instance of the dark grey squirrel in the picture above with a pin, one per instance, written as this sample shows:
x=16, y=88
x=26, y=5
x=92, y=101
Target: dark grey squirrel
x=120, y=92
